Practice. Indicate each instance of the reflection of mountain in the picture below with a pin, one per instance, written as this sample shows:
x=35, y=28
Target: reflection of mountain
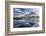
x=22, y=12
x=24, y=23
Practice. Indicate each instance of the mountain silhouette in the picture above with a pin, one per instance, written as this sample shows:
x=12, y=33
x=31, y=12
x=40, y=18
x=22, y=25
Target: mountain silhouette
x=32, y=13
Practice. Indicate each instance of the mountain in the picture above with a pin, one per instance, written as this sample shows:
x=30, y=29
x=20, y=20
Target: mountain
x=22, y=12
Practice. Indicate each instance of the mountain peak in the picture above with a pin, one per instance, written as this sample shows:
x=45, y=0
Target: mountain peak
x=33, y=13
